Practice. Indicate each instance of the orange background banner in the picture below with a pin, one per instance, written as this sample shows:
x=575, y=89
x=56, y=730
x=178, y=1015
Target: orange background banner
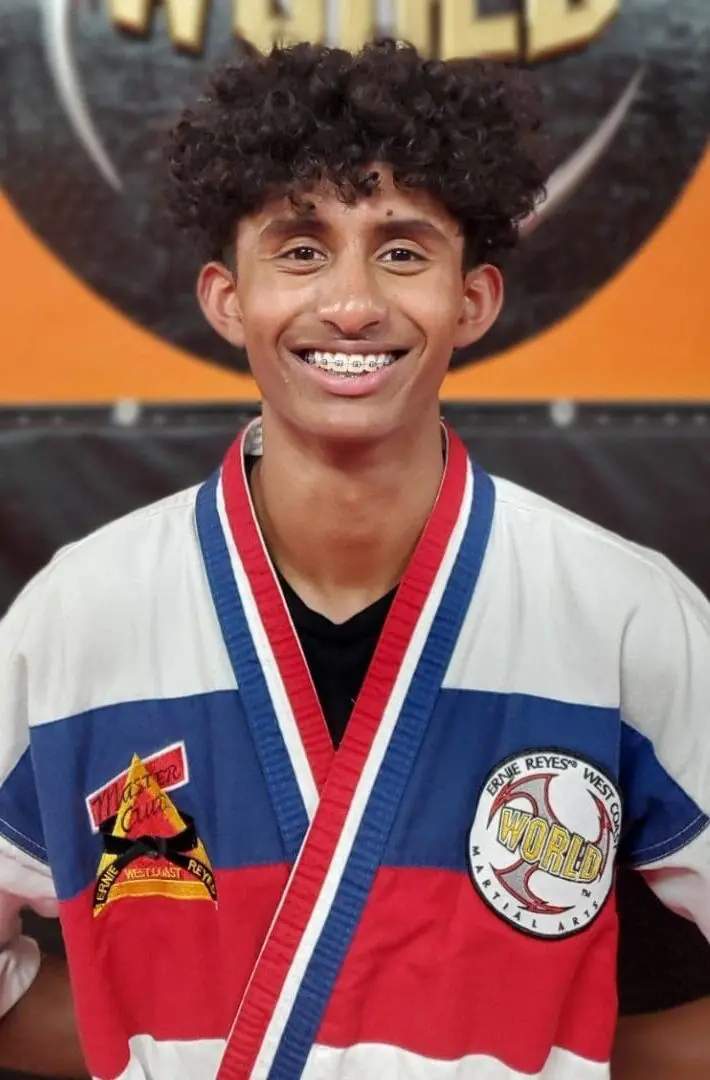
x=644, y=335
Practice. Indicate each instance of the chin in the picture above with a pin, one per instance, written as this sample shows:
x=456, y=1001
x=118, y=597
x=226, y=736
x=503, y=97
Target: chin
x=356, y=423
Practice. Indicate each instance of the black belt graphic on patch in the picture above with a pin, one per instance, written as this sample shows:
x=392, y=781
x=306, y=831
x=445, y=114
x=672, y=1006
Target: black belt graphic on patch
x=173, y=848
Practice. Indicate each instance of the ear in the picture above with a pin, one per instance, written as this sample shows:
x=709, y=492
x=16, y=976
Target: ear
x=217, y=296
x=482, y=300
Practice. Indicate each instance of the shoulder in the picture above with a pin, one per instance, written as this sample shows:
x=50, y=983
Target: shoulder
x=115, y=616
x=128, y=541
x=103, y=582
x=565, y=546
x=115, y=560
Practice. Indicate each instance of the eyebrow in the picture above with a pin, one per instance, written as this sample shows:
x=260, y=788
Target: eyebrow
x=283, y=227
x=390, y=229
x=394, y=227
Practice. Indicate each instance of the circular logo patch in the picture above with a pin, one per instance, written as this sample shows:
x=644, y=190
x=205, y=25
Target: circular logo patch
x=542, y=844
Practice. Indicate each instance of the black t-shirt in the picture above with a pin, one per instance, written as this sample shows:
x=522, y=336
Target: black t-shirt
x=338, y=654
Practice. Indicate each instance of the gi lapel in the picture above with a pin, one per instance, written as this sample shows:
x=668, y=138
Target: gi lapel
x=360, y=787
x=279, y=698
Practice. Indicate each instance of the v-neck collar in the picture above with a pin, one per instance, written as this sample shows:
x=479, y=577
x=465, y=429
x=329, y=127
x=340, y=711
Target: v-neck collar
x=334, y=810
x=320, y=626
x=266, y=655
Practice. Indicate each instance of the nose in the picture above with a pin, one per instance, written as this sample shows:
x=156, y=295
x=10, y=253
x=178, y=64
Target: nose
x=351, y=300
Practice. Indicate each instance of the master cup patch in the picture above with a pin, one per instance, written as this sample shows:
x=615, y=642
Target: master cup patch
x=150, y=847
x=542, y=846
x=170, y=768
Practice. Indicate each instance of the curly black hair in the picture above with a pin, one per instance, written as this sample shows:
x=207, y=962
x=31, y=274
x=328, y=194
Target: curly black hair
x=466, y=131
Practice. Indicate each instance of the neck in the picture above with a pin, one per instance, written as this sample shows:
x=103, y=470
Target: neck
x=341, y=523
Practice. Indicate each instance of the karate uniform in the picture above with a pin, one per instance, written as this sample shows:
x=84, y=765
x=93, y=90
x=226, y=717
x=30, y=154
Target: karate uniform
x=435, y=901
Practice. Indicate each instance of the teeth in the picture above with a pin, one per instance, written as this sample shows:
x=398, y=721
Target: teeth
x=349, y=363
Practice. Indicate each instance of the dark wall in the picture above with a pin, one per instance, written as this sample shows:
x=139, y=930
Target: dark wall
x=643, y=472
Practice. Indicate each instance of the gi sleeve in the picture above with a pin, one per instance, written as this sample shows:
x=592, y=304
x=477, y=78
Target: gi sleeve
x=665, y=741
x=25, y=878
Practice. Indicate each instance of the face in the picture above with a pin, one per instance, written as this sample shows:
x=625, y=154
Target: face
x=349, y=314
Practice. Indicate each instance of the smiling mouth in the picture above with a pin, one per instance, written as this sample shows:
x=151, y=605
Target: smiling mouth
x=350, y=364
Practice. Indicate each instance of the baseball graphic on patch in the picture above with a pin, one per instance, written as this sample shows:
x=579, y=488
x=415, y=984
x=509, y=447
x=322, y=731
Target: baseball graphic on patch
x=542, y=846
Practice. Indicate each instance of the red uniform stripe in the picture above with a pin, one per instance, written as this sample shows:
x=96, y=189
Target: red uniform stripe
x=434, y=970
x=292, y=666
x=431, y=969
x=171, y=968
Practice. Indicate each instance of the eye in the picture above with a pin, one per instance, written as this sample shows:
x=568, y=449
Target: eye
x=302, y=253
x=402, y=255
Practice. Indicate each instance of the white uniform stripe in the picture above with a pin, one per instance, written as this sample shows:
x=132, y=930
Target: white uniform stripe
x=284, y=713
x=361, y=796
x=178, y=1060
x=186, y=1060
x=377, y=1060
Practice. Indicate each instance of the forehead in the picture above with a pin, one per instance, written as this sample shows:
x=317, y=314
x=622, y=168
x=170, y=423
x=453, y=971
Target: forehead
x=386, y=202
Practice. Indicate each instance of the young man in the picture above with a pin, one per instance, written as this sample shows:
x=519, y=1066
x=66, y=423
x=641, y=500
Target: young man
x=518, y=698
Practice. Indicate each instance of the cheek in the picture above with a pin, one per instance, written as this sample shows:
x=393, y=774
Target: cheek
x=435, y=304
x=438, y=316
x=271, y=306
x=264, y=317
